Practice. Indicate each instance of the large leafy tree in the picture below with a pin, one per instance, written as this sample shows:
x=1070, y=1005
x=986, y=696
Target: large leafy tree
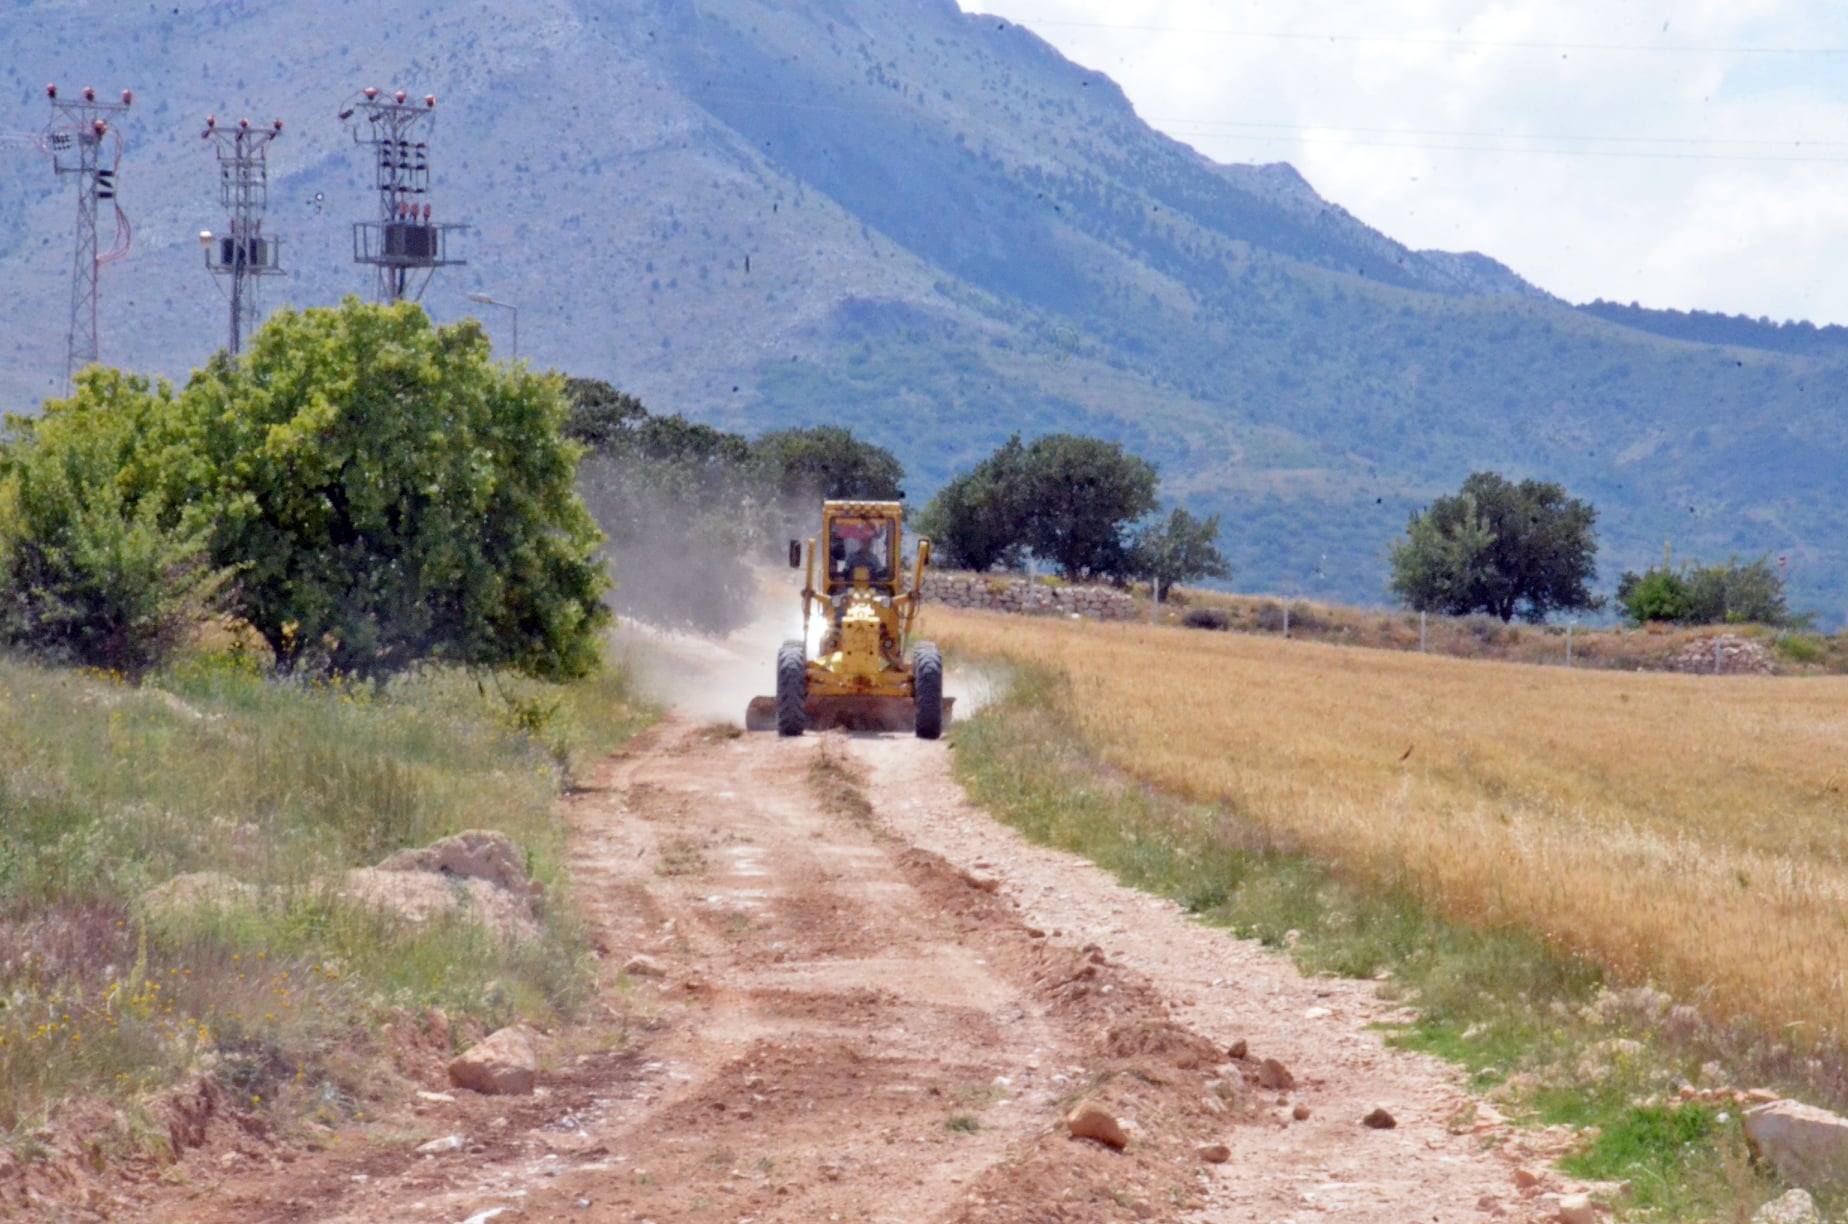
x=1082, y=495
x=1068, y=500
x=1499, y=547
x=389, y=494
x=979, y=519
x=1179, y=549
x=94, y=568
x=807, y=465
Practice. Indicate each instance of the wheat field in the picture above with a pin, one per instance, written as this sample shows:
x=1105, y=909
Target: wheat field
x=1683, y=830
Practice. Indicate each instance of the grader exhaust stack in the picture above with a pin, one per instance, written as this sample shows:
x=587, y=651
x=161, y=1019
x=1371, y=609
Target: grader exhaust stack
x=860, y=617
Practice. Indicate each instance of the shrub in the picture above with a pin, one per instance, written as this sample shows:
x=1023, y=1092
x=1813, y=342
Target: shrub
x=1205, y=618
x=92, y=568
x=391, y=495
x=1802, y=650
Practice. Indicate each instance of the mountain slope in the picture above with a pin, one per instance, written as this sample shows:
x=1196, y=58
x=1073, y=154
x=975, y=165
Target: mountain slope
x=930, y=226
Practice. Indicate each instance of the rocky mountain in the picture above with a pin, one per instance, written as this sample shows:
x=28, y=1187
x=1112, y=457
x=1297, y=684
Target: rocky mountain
x=930, y=226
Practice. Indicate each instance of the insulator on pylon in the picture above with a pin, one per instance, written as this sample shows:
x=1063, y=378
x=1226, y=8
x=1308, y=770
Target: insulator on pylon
x=276, y=125
x=89, y=93
x=128, y=97
x=430, y=100
x=51, y=90
x=371, y=93
x=400, y=95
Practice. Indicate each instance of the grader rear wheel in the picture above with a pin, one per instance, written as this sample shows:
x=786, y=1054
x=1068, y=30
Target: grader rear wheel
x=791, y=689
x=927, y=688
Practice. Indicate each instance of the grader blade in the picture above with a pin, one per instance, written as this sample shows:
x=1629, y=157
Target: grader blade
x=844, y=713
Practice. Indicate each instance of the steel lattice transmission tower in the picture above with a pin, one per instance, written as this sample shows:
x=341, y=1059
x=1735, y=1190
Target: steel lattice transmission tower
x=244, y=255
x=83, y=140
x=403, y=244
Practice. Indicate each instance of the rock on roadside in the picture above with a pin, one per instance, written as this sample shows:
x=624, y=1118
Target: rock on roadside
x=1806, y=1144
x=1795, y=1207
x=1089, y=1120
x=503, y=1064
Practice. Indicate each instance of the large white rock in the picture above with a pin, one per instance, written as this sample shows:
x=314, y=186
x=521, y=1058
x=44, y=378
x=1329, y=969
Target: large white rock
x=1804, y=1143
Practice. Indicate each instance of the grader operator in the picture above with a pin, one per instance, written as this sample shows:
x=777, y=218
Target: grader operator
x=860, y=620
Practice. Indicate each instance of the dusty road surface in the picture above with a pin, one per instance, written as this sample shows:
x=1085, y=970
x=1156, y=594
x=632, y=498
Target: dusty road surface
x=865, y=1001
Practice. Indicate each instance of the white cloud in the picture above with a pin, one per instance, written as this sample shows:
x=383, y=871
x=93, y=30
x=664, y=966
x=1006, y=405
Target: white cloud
x=1648, y=150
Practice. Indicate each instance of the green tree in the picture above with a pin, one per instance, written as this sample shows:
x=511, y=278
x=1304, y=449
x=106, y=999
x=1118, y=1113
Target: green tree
x=1081, y=496
x=804, y=466
x=600, y=416
x=93, y=569
x=1178, y=549
x=389, y=494
x=979, y=519
x=1733, y=593
x=1508, y=549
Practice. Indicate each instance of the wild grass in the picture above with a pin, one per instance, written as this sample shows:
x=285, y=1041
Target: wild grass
x=1536, y=1026
x=109, y=790
x=1682, y=830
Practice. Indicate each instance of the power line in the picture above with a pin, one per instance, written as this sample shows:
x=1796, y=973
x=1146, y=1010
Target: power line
x=1623, y=154
x=1479, y=135
x=1308, y=134
x=1407, y=40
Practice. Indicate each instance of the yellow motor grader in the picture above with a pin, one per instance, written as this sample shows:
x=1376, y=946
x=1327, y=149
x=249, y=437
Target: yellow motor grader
x=859, y=620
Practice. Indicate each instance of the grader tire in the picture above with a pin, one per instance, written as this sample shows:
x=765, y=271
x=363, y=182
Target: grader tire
x=791, y=689
x=927, y=689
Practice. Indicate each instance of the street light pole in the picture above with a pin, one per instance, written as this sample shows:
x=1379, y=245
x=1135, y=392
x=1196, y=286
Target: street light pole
x=510, y=308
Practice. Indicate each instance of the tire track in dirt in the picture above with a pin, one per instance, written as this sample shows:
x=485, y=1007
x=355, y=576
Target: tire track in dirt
x=880, y=1009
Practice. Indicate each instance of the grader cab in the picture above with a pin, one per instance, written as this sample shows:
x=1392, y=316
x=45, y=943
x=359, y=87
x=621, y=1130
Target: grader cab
x=858, y=623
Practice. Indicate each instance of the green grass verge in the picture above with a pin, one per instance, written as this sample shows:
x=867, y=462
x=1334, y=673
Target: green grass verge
x=1539, y=1032
x=280, y=987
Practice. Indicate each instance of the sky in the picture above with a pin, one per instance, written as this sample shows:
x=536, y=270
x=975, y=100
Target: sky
x=1684, y=154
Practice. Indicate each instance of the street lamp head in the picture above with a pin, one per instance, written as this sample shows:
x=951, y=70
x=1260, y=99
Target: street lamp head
x=205, y=239
x=481, y=297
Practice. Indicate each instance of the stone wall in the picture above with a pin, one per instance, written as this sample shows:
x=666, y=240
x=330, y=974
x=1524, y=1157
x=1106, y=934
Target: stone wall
x=997, y=593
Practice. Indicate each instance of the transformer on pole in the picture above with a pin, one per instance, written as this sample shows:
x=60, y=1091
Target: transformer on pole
x=82, y=139
x=404, y=245
x=244, y=255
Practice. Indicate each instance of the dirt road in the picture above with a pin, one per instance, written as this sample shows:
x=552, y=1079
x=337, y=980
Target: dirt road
x=881, y=1009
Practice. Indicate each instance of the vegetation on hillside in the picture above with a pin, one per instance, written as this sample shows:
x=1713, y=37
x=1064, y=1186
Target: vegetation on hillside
x=889, y=248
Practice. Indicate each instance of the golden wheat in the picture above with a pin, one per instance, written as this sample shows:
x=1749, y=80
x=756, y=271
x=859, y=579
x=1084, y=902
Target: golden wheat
x=1683, y=829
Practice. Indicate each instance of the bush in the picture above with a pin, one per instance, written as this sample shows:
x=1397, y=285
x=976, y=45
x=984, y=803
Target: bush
x=1206, y=618
x=1802, y=650
x=390, y=495
x=92, y=568
x=1731, y=594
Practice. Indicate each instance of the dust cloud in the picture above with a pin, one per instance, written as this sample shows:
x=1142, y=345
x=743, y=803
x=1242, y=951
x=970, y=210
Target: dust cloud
x=712, y=677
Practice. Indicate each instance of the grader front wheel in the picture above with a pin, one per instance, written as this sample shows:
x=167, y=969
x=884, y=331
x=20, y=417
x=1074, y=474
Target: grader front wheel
x=791, y=689
x=927, y=688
